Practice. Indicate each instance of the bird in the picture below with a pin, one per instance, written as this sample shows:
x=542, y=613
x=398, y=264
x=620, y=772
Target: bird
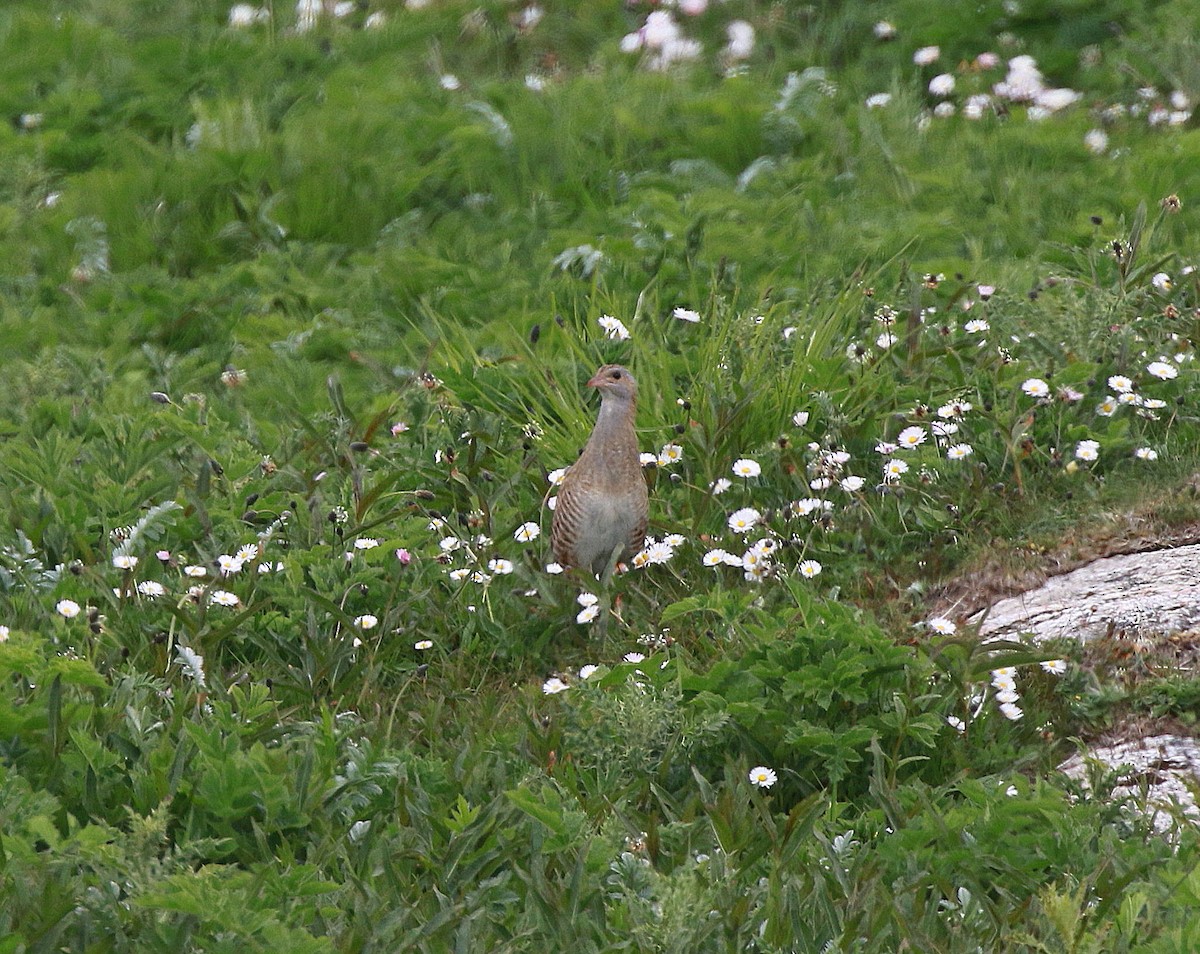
x=600, y=517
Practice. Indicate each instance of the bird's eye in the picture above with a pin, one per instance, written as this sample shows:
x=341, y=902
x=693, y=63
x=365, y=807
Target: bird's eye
x=616, y=375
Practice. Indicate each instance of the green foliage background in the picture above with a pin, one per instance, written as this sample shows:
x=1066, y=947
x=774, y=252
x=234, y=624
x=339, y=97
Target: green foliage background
x=232, y=259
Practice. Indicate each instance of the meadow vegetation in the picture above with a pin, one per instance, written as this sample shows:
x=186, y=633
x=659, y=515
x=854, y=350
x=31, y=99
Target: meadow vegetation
x=297, y=307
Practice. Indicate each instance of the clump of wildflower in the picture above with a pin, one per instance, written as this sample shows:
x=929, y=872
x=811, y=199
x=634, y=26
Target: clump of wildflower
x=67, y=609
x=893, y=470
x=657, y=551
x=192, y=663
x=744, y=520
x=763, y=777
x=942, y=85
x=613, y=327
x=1087, y=450
x=670, y=454
x=527, y=532
x=1096, y=141
x=591, y=608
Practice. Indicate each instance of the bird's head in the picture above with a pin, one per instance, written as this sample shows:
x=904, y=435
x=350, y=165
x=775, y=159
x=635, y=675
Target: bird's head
x=615, y=381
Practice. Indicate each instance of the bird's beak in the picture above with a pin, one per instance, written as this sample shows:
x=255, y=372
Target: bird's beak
x=594, y=382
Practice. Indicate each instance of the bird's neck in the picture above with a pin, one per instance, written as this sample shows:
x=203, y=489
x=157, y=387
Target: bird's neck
x=615, y=417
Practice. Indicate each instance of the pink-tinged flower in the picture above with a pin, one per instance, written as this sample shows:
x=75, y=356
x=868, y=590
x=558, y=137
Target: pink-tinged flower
x=403, y=556
x=942, y=85
x=741, y=40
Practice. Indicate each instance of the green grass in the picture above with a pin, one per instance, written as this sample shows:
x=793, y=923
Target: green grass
x=234, y=260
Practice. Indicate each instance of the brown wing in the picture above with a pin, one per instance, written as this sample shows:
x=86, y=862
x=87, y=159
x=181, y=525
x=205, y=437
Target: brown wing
x=568, y=521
